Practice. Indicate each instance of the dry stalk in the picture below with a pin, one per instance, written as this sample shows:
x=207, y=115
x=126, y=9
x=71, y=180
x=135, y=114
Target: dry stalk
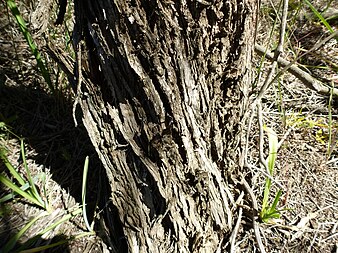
x=235, y=231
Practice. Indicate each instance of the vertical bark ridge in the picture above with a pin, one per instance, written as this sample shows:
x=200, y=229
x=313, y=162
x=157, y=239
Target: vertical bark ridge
x=162, y=102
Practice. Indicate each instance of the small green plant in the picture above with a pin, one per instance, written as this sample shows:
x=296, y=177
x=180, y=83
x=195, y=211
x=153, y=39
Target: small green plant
x=27, y=188
x=270, y=211
x=23, y=28
x=322, y=129
x=26, y=247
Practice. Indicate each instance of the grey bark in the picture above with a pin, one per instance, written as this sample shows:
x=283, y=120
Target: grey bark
x=163, y=88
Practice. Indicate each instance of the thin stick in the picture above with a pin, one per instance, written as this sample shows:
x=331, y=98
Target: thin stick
x=79, y=79
x=256, y=102
x=308, y=80
x=278, y=52
x=246, y=147
x=286, y=68
x=254, y=215
x=235, y=231
x=261, y=137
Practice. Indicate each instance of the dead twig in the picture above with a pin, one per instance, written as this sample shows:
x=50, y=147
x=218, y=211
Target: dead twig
x=278, y=52
x=254, y=215
x=235, y=231
x=308, y=80
x=261, y=137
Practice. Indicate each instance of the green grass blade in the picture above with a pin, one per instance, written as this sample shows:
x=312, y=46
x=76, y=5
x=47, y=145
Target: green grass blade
x=11, y=169
x=84, y=186
x=12, y=195
x=33, y=189
x=22, y=24
x=17, y=189
x=23, y=188
x=319, y=16
x=11, y=243
x=64, y=219
x=266, y=194
x=275, y=202
x=271, y=215
x=7, y=197
x=273, y=145
x=43, y=182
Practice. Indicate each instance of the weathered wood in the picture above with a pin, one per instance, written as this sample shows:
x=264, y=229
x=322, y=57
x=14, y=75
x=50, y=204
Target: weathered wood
x=165, y=86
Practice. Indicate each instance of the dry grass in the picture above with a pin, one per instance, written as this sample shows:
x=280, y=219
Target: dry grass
x=305, y=168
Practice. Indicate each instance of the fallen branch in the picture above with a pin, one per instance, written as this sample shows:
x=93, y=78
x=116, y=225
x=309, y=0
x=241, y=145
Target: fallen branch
x=308, y=80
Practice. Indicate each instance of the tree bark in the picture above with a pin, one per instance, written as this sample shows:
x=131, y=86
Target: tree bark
x=163, y=87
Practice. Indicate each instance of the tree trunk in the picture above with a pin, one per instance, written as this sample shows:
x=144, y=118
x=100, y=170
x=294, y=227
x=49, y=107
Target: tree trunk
x=163, y=87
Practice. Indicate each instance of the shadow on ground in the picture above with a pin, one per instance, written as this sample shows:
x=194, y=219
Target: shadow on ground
x=46, y=122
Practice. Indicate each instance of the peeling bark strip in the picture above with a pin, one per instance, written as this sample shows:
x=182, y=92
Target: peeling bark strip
x=164, y=91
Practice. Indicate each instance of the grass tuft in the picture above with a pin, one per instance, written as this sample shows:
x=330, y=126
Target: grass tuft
x=27, y=188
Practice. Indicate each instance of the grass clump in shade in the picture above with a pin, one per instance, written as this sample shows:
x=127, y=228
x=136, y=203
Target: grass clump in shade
x=27, y=187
